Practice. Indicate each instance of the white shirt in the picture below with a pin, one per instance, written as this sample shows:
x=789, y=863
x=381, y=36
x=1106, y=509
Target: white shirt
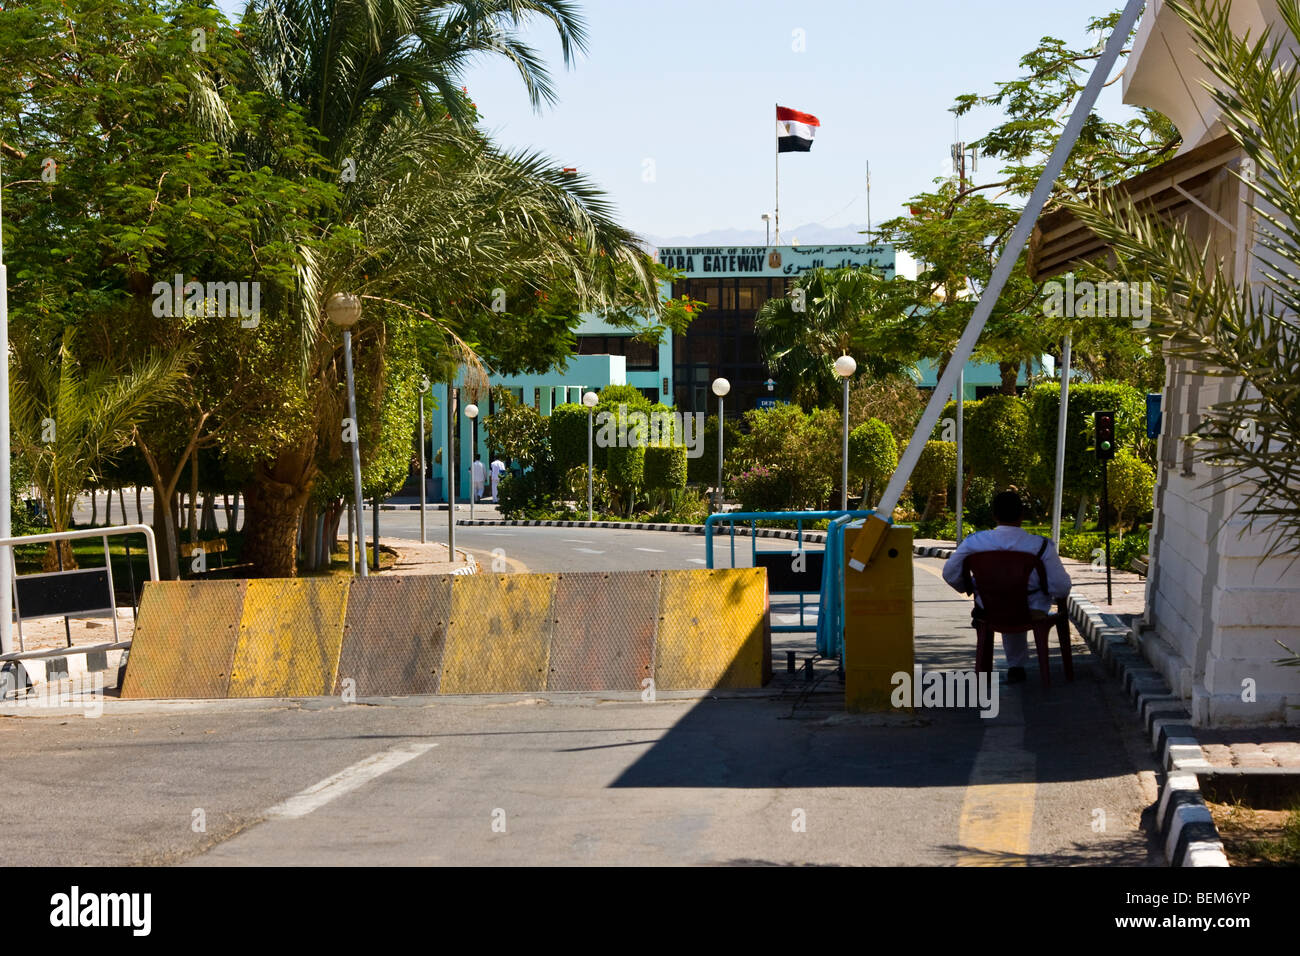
x=1009, y=538
x=476, y=471
x=498, y=469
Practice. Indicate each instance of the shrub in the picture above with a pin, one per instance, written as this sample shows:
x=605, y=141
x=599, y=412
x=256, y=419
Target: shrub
x=802, y=450
x=520, y=494
x=978, y=503
x=1082, y=470
x=575, y=488
x=942, y=432
x=1132, y=484
x=936, y=470
x=997, y=440
x=568, y=433
x=704, y=469
x=665, y=468
x=873, y=454
x=759, y=489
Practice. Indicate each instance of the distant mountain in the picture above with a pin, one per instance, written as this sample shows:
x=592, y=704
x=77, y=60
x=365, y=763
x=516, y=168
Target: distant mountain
x=809, y=234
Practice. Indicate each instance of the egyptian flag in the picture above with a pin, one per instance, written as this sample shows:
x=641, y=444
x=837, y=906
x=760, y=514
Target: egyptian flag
x=794, y=130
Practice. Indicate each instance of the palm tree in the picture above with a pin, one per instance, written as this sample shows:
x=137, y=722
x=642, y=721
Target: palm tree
x=829, y=313
x=436, y=217
x=70, y=418
x=1246, y=333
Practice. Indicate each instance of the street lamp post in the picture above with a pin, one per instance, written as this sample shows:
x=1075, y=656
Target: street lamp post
x=845, y=366
x=425, y=385
x=471, y=412
x=767, y=224
x=343, y=310
x=720, y=388
x=590, y=399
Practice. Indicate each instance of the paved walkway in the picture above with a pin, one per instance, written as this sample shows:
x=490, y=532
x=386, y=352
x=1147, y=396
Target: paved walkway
x=430, y=558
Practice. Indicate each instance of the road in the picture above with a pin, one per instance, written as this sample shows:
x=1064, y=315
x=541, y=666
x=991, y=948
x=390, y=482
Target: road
x=1060, y=776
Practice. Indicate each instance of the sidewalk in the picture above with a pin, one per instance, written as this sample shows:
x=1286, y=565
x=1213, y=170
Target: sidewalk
x=430, y=558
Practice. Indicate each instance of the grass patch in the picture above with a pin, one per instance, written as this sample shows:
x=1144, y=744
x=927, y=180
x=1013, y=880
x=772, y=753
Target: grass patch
x=1258, y=837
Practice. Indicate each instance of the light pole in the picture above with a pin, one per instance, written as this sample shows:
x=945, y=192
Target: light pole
x=471, y=412
x=845, y=366
x=425, y=385
x=767, y=223
x=6, y=562
x=343, y=310
x=590, y=399
x=720, y=388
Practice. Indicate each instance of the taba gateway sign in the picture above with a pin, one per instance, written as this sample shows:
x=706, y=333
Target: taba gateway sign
x=773, y=261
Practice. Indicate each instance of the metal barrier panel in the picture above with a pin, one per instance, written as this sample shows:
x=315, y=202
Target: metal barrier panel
x=290, y=638
x=878, y=621
x=184, y=642
x=498, y=641
x=394, y=635
x=605, y=625
x=713, y=630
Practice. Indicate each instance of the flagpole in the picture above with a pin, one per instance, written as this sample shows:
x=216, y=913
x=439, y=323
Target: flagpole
x=777, y=147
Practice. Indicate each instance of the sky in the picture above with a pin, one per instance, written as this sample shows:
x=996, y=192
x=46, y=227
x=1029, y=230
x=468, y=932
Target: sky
x=671, y=109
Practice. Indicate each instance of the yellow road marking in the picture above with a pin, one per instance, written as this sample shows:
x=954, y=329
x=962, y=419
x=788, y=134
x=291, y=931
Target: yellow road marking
x=998, y=813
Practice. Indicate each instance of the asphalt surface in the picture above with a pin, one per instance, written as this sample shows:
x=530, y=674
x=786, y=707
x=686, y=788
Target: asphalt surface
x=782, y=776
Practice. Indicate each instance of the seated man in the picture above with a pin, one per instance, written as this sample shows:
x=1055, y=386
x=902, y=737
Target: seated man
x=1008, y=536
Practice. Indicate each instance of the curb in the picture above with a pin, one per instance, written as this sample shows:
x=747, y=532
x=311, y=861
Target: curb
x=815, y=537
x=1185, y=825
x=1186, y=828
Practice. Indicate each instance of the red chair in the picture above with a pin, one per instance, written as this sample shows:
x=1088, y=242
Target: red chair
x=1001, y=579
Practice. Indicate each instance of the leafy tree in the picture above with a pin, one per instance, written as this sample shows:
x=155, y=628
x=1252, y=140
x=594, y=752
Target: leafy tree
x=935, y=473
x=517, y=431
x=873, y=456
x=997, y=440
x=1243, y=333
x=1132, y=485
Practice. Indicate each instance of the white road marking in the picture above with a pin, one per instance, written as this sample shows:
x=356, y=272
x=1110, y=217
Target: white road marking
x=652, y=550
x=697, y=561
x=345, y=781
x=575, y=540
x=499, y=534
x=588, y=551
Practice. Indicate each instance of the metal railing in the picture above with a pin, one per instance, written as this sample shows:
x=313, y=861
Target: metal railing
x=103, y=533
x=830, y=590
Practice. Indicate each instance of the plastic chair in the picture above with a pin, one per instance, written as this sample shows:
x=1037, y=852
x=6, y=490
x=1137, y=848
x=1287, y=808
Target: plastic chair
x=1001, y=579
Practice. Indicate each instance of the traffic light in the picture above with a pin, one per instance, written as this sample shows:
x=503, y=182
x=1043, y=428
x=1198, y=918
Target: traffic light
x=1104, y=435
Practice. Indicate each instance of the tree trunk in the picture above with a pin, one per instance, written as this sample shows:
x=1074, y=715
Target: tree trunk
x=1010, y=372
x=208, y=522
x=273, y=503
x=1082, y=513
x=108, y=506
x=194, y=497
x=335, y=516
x=94, y=508
x=164, y=531
x=139, y=510
x=936, y=505
x=121, y=504
x=307, y=539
